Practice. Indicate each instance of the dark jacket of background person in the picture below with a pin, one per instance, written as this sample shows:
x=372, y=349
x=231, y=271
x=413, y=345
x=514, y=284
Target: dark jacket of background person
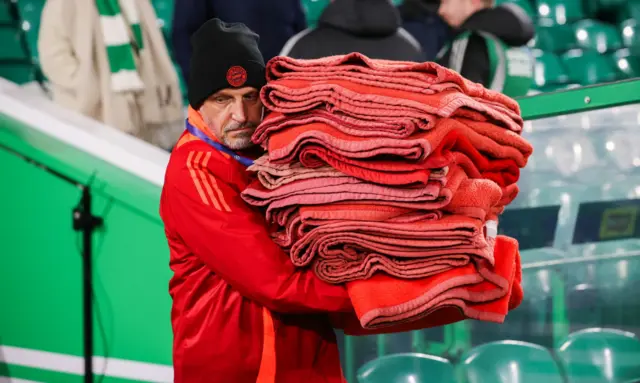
x=507, y=22
x=420, y=18
x=274, y=20
x=370, y=27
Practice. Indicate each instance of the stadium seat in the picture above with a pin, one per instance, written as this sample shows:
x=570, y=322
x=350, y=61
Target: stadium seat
x=629, y=11
x=555, y=38
x=313, y=9
x=5, y=13
x=601, y=356
x=559, y=12
x=526, y=6
x=588, y=68
x=164, y=12
x=610, y=5
x=30, y=12
x=548, y=70
x=509, y=362
x=407, y=368
x=584, y=306
x=630, y=31
x=627, y=63
x=597, y=36
x=11, y=44
x=18, y=73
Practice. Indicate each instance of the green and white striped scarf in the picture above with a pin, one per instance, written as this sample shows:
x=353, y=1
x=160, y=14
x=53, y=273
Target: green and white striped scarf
x=117, y=38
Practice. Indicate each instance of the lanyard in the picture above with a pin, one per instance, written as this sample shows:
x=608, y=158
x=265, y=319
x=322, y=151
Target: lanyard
x=216, y=145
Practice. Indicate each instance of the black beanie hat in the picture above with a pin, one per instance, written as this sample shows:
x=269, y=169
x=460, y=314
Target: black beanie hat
x=225, y=55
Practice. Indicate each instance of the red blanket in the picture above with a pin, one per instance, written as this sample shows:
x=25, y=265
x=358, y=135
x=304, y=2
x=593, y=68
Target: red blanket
x=351, y=241
x=476, y=290
x=293, y=96
x=337, y=189
x=393, y=127
x=403, y=162
x=409, y=76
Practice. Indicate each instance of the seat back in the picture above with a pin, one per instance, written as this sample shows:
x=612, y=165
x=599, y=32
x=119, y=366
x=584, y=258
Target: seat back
x=407, y=368
x=601, y=356
x=509, y=362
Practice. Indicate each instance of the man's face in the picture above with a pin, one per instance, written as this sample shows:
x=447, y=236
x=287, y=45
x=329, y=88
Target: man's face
x=232, y=115
x=455, y=12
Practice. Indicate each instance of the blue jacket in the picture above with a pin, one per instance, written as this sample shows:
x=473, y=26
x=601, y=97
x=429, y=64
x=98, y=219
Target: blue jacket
x=274, y=21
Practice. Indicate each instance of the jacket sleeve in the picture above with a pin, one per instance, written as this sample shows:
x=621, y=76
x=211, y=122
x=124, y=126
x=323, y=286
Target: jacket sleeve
x=233, y=241
x=188, y=16
x=55, y=50
x=475, y=66
x=300, y=20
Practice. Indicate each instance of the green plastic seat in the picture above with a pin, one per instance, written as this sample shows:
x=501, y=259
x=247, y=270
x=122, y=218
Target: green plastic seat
x=628, y=64
x=629, y=11
x=30, y=12
x=5, y=13
x=630, y=32
x=313, y=9
x=11, y=44
x=588, y=68
x=600, y=356
x=597, y=36
x=526, y=6
x=164, y=12
x=611, y=5
x=18, y=73
x=509, y=362
x=407, y=368
x=549, y=71
x=560, y=12
x=555, y=38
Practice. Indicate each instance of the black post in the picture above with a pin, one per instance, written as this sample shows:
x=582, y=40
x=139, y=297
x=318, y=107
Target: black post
x=85, y=221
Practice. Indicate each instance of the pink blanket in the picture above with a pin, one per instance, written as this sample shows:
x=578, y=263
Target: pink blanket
x=355, y=240
x=294, y=96
x=339, y=189
x=352, y=241
x=392, y=127
x=272, y=176
x=410, y=76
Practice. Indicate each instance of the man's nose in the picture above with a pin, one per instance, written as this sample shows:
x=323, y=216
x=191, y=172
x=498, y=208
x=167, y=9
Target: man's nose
x=238, y=112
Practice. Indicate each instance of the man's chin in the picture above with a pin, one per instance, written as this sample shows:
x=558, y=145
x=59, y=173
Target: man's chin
x=240, y=144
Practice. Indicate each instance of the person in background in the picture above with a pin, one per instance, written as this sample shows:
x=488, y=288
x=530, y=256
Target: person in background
x=370, y=27
x=420, y=18
x=108, y=60
x=241, y=312
x=274, y=21
x=488, y=45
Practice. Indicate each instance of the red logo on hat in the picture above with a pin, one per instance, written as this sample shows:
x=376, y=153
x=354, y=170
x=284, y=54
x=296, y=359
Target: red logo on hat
x=236, y=76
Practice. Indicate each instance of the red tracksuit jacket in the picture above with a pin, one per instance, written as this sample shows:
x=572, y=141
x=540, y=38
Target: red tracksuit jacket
x=241, y=312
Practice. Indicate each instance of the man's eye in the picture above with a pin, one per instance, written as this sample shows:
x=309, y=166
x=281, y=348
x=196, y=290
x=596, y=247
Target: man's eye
x=251, y=97
x=220, y=99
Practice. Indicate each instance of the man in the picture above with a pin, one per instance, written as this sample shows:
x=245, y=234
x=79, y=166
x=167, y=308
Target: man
x=274, y=21
x=488, y=46
x=108, y=60
x=370, y=27
x=420, y=18
x=241, y=312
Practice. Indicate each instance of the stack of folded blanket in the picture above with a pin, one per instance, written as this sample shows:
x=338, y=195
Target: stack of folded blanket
x=390, y=177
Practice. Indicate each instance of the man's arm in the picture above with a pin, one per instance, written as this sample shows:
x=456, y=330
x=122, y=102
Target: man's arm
x=188, y=16
x=475, y=66
x=57, y=59
x=233, y=241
